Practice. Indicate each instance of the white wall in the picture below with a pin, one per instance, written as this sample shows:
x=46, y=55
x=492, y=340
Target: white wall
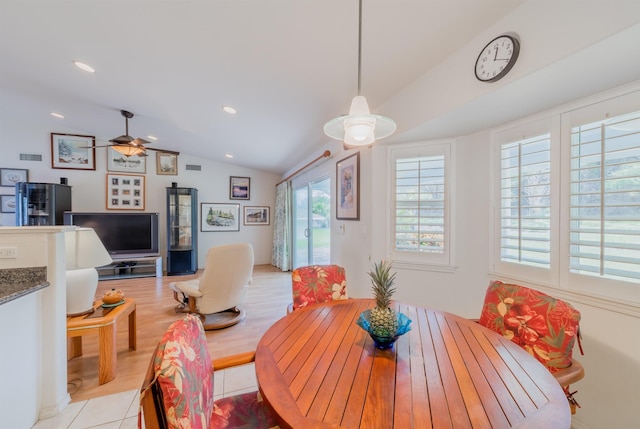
x=89, y=187
x=33, y=334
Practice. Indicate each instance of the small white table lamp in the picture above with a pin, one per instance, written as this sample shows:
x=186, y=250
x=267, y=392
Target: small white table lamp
x=84, y=251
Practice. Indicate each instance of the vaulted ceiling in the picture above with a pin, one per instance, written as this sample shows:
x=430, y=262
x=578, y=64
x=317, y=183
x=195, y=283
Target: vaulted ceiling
x=286, y=66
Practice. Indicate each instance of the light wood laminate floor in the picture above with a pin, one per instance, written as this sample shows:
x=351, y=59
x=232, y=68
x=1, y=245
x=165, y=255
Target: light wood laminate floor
x=268, y=297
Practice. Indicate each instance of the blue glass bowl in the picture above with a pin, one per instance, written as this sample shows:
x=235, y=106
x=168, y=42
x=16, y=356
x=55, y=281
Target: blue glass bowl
x=384, y=342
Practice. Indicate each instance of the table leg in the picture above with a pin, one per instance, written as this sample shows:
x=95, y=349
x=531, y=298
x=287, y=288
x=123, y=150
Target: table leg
x=74, y=347
x=108, y=355
x=132, y=329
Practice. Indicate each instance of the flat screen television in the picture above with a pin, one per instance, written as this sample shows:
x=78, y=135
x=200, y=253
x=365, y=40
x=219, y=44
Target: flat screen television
x=124, y=235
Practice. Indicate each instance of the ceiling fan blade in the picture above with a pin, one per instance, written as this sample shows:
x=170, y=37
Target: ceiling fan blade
x=157, y=149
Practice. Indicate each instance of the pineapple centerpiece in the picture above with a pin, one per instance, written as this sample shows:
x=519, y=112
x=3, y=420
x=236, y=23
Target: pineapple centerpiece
x=383, y=319
x=383, y=323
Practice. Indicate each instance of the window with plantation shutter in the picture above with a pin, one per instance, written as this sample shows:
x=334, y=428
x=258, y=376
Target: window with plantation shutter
x=420, y=230
x=525, y=201
x=605, y=198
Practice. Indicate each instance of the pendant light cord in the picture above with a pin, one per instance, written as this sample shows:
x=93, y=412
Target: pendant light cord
x=359, y=44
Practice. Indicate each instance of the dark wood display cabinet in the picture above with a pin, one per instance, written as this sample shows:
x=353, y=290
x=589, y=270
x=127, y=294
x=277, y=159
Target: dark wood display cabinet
x=182, y=231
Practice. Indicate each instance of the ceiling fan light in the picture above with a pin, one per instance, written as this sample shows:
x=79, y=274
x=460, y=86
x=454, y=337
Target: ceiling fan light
x=128, y=150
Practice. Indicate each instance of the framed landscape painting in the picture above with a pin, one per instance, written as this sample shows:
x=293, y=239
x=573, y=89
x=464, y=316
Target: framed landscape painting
x=73, y=151
x=219, y=217
x=239, y=188
x=258, y=215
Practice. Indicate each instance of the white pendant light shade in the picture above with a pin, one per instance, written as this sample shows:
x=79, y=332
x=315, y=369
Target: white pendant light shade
x=359, y=127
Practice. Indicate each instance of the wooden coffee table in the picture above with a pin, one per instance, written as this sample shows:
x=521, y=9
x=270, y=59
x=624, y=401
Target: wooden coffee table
x=103, y=321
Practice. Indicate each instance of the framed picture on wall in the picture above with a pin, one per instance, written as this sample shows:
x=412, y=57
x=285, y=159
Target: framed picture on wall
x=125, y=192
x=348, y=188
x=10, y=176
x=239, y=188
x=219, y=217
x=167, y=163
x=8, y=203
x=125, y=164
x=73, y=151
x=258, y=215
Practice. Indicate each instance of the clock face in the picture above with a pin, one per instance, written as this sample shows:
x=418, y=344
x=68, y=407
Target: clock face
x=497, y=58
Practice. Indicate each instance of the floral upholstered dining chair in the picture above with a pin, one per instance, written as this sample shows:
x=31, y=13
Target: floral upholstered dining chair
x=544, y=326
x=312, y=284
x=177, y=392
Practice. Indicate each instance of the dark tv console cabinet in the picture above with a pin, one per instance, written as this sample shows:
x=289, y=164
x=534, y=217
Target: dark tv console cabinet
x=131, y=268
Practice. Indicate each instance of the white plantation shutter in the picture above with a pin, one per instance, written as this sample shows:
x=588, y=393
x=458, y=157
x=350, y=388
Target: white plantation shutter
x=605, y=198
x=420, y=230
x=420, y=204
x=525, y=201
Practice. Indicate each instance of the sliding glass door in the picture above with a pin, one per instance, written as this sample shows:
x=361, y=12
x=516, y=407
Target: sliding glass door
x=312, y=217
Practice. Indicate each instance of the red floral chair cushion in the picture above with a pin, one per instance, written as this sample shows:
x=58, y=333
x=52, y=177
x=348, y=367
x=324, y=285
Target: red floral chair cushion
x=318, y=283
x=544, y=326
x=183, y=370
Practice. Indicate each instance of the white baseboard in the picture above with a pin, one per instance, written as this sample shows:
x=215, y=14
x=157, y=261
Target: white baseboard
x=52, y=411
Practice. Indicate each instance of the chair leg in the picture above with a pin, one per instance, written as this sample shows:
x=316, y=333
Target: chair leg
x=182, y=301
x=573, y=404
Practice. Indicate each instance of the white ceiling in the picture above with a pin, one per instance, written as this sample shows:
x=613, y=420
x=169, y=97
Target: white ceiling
x=288, y=66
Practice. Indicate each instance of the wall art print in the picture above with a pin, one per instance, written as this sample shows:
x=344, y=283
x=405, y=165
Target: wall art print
x=73, y=151
x=125, y=192
x=219, y=217
x=348, y=188
x=125, y=164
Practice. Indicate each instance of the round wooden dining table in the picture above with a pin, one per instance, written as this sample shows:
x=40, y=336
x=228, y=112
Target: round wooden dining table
x=317, y=369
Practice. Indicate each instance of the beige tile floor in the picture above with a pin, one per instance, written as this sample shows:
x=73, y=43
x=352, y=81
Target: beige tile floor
x=120, y=410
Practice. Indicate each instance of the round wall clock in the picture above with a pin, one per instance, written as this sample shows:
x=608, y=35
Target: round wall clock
x=497, y=58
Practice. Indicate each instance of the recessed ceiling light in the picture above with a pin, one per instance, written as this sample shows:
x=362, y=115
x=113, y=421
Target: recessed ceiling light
x=85, y=67
x=228, y=155
x=57, y=115
x=229, y=110
x=152, y=138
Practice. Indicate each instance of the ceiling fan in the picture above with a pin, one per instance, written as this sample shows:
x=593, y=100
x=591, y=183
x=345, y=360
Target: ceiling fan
x=129, y=146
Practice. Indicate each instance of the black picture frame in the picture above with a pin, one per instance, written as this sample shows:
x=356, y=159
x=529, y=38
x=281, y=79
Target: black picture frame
x=239, y=188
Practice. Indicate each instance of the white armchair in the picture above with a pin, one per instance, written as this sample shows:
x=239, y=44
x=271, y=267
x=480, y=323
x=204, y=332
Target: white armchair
x=217, y=294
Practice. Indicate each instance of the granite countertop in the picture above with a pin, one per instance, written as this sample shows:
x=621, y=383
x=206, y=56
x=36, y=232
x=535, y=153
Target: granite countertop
x=17, y=282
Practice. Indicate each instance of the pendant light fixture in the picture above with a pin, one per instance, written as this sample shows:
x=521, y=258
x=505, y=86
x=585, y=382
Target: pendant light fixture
x=359, y=127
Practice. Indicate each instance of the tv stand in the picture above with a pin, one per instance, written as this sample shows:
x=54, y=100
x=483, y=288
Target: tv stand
x=129, y=268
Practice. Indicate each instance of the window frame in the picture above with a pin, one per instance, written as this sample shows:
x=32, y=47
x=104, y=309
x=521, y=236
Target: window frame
x=523, y=131
x=619, y=295
x=581, y=283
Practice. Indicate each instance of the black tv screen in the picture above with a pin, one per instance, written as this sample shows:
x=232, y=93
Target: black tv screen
x=124, y=235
